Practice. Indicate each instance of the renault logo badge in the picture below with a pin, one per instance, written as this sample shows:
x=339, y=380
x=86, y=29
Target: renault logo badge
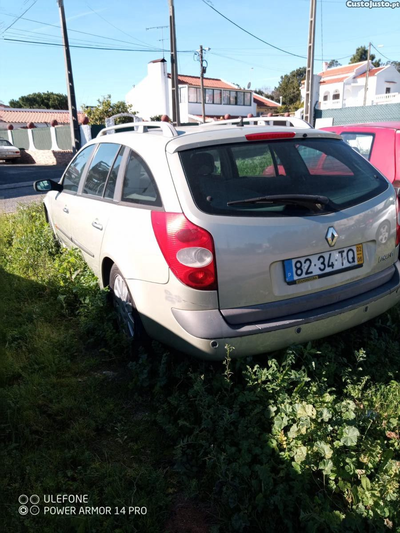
x=331, y=236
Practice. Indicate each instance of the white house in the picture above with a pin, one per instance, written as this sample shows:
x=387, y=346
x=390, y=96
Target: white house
x=153, y=96
x=345, y=86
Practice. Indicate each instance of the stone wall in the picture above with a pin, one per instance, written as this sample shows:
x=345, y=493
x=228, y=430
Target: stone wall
x=46, y=157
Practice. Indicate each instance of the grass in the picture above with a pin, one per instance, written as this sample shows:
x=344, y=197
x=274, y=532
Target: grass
x=306, y=439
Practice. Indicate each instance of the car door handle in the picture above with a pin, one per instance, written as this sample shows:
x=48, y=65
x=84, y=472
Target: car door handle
x=66, y=210
x=97, y=225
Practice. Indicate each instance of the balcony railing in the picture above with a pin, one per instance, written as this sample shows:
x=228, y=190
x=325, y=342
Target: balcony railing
x=390, y=98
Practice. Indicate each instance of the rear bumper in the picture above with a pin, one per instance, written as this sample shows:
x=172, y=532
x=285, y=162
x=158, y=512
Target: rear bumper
x=9, y=156
x=208, y=332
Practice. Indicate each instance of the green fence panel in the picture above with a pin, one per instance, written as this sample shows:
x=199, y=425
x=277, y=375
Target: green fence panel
x=4, y=134
x=357, y=115
x=20, y=138
x=63, y=136
x=42, y=138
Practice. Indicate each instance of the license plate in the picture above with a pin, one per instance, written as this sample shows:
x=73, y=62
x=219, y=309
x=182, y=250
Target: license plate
x=325, y=264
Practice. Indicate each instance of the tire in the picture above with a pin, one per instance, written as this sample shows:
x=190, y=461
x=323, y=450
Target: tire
x=13, y=161
x=128, y=317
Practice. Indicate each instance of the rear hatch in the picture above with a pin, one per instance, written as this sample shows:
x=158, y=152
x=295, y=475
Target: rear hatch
x=292, y=215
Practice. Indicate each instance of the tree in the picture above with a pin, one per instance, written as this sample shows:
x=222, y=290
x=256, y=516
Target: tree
x=361, y=54
x=46, y=100
x=105, y=109
x=395, y=64
x=334, y=63
x=289, y=87
x=267, y=92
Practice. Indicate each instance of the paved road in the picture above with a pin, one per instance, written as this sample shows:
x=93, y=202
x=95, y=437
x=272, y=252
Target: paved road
x=16, y=183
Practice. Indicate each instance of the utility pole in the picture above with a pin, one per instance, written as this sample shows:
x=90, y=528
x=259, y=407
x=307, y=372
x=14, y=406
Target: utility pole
x=73, y=114
x=367, y=76
x=199, y=56
x=203, y=107
x=308, y=100
x=174, y=67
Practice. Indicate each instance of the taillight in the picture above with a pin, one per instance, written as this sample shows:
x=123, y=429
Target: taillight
x=187, y=248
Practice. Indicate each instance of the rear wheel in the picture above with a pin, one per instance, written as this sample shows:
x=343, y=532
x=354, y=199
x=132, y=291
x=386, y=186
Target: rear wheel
x=128, y=316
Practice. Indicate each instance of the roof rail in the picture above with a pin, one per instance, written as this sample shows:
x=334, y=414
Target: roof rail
x=261, y=121
x=167, y=129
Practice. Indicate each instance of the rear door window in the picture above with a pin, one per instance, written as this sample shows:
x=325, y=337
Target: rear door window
x=252, y=171
x=360, y=142
x=75, y=170
x=99, y=169
x=139, y=186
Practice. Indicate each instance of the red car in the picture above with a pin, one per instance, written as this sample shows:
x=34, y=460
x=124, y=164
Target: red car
x=379, y=142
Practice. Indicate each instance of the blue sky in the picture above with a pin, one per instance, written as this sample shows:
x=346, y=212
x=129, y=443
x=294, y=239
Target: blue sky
x=233, y=56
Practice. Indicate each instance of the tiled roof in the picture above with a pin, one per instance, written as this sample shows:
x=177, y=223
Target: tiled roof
x=209, y=83
x=37, y=116
x=339, y=71
x=333, y=80
x=372, y=72
x=262, y=101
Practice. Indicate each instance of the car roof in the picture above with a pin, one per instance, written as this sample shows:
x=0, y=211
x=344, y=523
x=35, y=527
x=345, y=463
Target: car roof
x=174, y=139
x=395, y=125
x=224, y=134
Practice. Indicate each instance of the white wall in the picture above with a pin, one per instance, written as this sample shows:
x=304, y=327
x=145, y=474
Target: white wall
x=331, y=88
x=388, y=74
x=153, y=96
x=150, y=97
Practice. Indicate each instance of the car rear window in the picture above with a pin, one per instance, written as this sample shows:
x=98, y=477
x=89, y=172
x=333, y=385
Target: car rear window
x=219, y=175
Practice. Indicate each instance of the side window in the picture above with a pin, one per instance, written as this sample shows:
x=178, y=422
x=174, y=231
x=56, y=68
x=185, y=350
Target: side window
x=99, y=169
x=360, y=142
x=74, y=172
x=139, y=186
x=112, y=178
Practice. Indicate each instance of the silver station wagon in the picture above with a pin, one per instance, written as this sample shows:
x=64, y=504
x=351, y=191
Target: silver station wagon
x=237, y=233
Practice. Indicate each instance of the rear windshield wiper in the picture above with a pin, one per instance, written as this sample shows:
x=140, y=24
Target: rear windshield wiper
x=319, y=203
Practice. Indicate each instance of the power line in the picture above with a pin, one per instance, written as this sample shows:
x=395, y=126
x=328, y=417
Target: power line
x=255, y=36
x=17, y=19
x=91, y=47
x=111, y=24
x=380, y=53
x=75, y=31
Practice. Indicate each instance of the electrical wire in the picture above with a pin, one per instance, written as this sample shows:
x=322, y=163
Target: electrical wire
x=92, y=47
x=380, y=53
x=75, y=31
x=111, y=24
x=18, y=18
x=206, y=2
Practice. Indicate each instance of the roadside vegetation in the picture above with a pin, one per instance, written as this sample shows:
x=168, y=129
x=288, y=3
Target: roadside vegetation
x=305, y=439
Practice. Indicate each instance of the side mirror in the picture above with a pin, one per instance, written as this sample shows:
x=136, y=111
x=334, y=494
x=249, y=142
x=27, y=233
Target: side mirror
x=47, y=185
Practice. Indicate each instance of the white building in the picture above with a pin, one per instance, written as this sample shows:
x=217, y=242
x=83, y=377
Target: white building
x=345, y=86
x=153, y=96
